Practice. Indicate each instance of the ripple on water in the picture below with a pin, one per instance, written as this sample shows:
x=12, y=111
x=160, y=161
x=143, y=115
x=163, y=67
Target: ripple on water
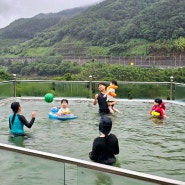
x=155, y=147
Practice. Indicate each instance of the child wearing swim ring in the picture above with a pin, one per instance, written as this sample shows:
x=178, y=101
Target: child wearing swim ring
x=110, y=93
x=64, y=108
x=158, y=109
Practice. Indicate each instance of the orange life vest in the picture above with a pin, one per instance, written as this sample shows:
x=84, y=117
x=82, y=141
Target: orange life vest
x=112, y=87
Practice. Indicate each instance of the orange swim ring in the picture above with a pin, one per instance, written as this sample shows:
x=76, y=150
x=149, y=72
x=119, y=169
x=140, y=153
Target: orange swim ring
x=112, y=87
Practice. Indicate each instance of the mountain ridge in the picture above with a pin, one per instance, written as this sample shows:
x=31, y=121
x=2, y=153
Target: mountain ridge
x=20, y=28
x=118, y=27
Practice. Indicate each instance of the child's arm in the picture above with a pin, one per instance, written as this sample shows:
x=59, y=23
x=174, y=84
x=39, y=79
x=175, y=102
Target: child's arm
x=107, y=92
x=63, y=111
x=59, y=112
x=163, y=113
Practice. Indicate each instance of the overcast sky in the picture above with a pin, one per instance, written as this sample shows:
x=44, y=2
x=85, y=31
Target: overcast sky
x=11, y=10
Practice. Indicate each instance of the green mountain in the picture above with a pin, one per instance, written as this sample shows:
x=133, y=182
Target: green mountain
x=27, y=28
x=112, y=27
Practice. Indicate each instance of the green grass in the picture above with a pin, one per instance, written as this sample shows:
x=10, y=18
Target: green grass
x=37, y=52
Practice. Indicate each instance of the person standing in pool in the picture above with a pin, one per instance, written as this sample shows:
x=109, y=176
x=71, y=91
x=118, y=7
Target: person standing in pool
x=106, y=146
x=18, y=121
x=101, y=100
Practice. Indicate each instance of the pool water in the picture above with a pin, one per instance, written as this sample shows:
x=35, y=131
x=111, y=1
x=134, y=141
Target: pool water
x=146, y=145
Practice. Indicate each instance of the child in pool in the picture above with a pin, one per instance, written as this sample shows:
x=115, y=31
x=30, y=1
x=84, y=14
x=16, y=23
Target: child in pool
x=158, y=109
x=64, y=108
x=110, y=93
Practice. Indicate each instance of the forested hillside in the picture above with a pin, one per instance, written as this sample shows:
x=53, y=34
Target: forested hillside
x=27, y=28
x=110, y=28
x=72, y=71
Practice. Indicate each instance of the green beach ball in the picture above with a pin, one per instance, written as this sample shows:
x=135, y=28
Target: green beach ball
x=48, y=97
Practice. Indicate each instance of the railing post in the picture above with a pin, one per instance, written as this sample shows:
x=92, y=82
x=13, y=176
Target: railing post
x=171, y=87
x=14, y=75
x=90, y=86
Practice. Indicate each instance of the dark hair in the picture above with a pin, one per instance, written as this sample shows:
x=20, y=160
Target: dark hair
x=114, y=82
x=64, y=100
x=102, y=83
x=15, y=106
x=158, y=100
x=105, y=125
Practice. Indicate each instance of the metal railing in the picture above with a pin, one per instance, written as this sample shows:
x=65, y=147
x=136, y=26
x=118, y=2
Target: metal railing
x=93, y=166
x=87, y=89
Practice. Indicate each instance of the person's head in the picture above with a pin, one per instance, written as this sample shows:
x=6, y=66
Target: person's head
x=113, y=82
x=15, y=106
x=157, y=101
x=102, y=86
x=64, y=103
x=105, y=125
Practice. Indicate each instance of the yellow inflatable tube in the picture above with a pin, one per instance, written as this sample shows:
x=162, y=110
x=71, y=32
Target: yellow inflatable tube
x=156, y=114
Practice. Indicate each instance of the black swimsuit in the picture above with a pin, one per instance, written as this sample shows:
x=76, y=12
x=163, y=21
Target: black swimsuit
x=103, y=107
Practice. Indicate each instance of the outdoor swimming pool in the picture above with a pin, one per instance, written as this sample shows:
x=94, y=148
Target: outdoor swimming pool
x=147, y=146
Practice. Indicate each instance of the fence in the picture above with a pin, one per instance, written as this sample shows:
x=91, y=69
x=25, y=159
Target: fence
x=87, y=89
x=122, y=175
x=148, y=61
x=143, y=61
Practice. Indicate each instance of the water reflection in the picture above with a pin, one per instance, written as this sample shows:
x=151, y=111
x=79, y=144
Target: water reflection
x=102, y=179
x=158, y=122
x=142, y=147
x=18, y=140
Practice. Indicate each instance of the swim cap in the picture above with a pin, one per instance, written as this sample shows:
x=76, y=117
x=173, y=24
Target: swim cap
x=105, y=125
